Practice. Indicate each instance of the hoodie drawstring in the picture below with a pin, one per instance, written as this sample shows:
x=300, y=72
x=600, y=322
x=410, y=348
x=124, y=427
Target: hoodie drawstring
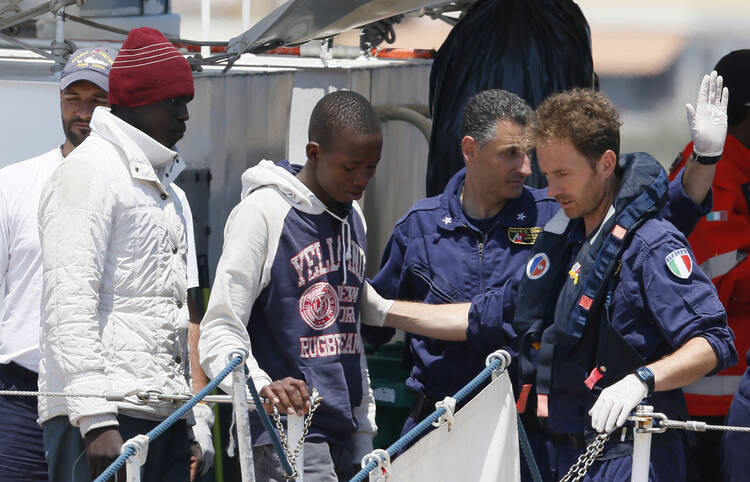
x=346, y=241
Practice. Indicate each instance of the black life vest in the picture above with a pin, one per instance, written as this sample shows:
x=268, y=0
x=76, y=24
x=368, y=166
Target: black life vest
x=567, y=341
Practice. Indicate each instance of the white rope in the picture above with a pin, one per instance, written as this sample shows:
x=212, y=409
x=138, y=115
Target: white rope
x=136, y=397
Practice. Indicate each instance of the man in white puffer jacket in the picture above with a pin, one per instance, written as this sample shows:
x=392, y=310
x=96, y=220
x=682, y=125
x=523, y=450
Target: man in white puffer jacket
x=114, y=245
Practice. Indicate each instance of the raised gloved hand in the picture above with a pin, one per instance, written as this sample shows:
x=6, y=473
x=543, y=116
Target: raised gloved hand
x=615, y=403
x=374, y=307
x=708, y=119
x=204, y=420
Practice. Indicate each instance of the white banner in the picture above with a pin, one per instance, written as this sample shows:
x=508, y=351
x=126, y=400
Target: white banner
x=481, y=447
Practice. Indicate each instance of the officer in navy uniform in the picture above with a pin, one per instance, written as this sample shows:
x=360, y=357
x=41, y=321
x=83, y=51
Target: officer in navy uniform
x=472, y=243
x=612, y=307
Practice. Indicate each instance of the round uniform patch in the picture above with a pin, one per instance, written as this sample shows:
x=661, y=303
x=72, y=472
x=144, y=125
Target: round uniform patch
x=319, y=306
x=680, y=263
x=537, y=266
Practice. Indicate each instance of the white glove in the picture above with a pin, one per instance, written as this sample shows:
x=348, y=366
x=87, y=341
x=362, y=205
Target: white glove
x=204, y=420
x=708, y=121
x=615, y=403
x=374, y=307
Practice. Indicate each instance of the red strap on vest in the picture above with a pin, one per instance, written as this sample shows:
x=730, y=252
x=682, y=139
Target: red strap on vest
x=541, y=406
x=593, y=377
x=523, y=397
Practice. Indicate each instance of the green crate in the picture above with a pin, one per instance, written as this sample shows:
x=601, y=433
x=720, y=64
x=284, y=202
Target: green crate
x=393, y=400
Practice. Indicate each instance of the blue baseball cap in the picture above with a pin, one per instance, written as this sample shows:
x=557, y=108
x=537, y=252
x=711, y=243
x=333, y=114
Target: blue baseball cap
x=91, y=64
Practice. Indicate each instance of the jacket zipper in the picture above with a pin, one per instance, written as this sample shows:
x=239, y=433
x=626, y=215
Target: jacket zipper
x=480, y=250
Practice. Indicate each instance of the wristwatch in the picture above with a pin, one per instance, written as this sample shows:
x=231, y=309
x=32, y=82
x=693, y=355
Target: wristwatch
x=645, y=375
x=705, y=160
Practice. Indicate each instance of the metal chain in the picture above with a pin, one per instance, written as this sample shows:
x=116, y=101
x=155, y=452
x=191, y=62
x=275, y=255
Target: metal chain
x=292, y=456
x=586, y=459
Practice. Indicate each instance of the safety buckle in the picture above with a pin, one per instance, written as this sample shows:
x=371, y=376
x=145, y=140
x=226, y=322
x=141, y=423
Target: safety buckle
x=148, y=396
x=644, y=419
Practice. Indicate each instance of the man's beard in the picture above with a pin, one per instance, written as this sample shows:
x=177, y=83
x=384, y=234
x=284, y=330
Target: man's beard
x=73, y=137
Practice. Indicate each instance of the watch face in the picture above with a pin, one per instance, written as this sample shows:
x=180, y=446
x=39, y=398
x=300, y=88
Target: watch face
x=647, y=376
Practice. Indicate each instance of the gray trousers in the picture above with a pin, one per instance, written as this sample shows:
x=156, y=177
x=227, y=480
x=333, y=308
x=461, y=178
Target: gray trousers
x=323, y=463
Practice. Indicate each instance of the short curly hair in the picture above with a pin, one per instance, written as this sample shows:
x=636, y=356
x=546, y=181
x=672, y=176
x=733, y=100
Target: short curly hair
x=337, y=111
x=584, y=117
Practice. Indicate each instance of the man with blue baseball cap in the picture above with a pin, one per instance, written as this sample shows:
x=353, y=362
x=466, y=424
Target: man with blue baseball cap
x=83, y=86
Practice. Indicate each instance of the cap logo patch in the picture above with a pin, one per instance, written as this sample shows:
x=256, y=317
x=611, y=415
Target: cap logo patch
x=537, y=266
x=680, y=263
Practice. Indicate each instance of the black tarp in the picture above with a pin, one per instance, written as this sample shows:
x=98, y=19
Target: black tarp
x=529, y=47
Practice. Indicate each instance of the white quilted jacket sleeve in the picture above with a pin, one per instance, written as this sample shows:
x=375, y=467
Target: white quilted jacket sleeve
x=75, y=223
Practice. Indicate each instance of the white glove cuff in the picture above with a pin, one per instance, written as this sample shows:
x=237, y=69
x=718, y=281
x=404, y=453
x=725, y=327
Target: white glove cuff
x=374, y=308
x=709, y=154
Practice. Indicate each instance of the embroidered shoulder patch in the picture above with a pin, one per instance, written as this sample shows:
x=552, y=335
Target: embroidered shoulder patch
x=537, y=266
x=524, y=235
x=680, y=263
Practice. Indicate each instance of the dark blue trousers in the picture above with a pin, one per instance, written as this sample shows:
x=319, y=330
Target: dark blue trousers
x=668, y=460
x=21, y=446
x=168, y=456
x=735, y=446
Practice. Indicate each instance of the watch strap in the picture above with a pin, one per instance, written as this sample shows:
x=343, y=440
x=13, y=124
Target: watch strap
x=645, y=375
x=705, y=160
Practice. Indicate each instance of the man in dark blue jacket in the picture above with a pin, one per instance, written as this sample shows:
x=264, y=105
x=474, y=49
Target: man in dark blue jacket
x=612, y=305
x=475, y=239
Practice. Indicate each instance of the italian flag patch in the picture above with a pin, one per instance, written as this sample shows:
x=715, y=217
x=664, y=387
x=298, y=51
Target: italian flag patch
x=680, y=263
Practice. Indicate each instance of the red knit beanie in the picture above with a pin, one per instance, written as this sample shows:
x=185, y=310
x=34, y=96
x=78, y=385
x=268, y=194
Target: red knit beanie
x=147, y=70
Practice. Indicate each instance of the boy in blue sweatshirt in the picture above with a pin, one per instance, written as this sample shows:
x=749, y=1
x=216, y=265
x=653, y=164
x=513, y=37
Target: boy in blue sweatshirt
x=288, y=289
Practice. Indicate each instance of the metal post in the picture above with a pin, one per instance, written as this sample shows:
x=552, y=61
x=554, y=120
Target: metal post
x=242, y=417
x=135, y=462
x=60, y=26
x=295, y=425
x=246, y=15
x=642, y=443
x=206, y=27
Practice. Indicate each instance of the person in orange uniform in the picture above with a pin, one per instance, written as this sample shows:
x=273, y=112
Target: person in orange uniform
x=721, y=241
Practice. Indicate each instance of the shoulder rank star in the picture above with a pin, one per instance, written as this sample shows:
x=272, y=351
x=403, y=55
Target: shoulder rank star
x=574, y=272
x=447, y=220
x=520, y=217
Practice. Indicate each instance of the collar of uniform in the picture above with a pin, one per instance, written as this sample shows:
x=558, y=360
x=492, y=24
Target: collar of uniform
x=576, y=231
x=518, y=212
x=144, y=154
x=450, y=215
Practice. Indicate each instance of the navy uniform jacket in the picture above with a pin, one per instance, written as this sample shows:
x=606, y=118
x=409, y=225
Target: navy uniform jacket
x=436, y=256
x=656, y=311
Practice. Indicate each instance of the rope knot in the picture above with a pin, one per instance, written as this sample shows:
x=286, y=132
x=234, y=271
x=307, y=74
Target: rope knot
x=449, y=404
